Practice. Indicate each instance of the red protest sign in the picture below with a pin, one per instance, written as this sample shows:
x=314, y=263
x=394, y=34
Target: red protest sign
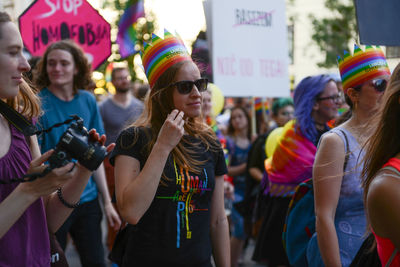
x=47, y=21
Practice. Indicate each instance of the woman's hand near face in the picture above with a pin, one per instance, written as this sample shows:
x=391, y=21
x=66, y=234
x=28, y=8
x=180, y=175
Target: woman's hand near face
x=172, y=130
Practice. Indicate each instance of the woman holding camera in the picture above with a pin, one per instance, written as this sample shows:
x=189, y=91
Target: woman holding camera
x=29, y=210
x=169, y=169
x=60, y=74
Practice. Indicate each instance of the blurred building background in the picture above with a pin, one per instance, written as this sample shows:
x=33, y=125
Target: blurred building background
x=304, y=54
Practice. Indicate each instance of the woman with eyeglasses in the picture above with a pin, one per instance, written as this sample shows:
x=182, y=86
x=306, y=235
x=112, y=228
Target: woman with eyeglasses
x=291, y=161
x=169, y=169
x=382, y=175
x=340, y=217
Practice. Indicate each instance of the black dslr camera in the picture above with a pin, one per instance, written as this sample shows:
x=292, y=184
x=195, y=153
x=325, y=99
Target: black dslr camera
x=75, y=144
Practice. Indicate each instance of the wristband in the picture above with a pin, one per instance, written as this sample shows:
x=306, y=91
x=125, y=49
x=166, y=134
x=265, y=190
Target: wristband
x=64, y=202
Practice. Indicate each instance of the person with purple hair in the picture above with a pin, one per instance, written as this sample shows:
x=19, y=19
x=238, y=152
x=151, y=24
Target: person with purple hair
x=287, y=168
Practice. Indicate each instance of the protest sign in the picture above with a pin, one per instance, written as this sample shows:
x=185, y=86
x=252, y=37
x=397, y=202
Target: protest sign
x=249, y=47
x=47, y=21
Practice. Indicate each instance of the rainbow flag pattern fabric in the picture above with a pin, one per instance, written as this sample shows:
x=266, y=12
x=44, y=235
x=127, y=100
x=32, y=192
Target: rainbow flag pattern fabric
x=362, y=66
x=161, y=54
x=126, y=37
x=291, y=162
x=108, y=72
x=258, y=105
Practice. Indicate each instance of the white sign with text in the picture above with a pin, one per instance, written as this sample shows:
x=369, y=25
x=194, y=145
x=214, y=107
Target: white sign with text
x=249, y=48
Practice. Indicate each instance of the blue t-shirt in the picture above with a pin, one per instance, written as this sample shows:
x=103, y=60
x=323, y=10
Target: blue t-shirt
x=56, y=110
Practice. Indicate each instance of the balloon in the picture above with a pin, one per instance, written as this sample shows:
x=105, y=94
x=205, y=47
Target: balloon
x=272, y=141
x=217, y=98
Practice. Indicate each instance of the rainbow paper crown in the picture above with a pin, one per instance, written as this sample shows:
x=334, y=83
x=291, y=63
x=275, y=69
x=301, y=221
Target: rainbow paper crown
x=161, y=54
x=362, y=66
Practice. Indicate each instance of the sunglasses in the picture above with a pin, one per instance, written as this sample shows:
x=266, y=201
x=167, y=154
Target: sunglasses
x=379, y=85
x=185, y=87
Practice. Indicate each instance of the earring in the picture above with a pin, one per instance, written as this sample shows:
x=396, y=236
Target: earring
x=355, y=105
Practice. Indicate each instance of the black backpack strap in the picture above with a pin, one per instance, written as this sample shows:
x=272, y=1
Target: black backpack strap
x=347, y=152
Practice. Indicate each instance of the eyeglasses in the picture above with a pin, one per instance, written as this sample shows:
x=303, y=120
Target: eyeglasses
x=185, y=87
x=286, y=113
x=379, y=85
x=335, y=98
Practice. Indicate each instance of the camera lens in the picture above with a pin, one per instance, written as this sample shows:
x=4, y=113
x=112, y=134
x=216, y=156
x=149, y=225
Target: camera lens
x=61, y=155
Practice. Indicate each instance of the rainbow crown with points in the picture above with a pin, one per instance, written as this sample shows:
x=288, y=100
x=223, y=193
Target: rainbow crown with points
x=362, y=66
x=161, y=54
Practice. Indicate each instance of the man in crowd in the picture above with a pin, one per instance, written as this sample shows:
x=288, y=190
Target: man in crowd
x=117, y=112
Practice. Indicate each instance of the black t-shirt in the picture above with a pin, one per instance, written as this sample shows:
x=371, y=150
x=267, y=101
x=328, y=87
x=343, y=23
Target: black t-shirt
x=257, y=153
x=175, y=230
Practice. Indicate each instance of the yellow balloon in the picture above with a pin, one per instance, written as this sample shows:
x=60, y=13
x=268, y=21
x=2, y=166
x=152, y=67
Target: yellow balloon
x=272, y=141
x=217, y=99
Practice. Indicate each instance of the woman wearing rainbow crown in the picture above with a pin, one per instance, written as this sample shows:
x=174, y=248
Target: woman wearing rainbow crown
x=339, y=208
x=169, y=167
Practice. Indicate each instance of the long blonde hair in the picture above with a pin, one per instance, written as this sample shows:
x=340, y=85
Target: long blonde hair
x=158, y=104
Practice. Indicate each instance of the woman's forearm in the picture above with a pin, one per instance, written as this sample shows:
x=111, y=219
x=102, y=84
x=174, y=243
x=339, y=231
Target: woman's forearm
x=219, y=230
x=220, y=243
x=138, y=195
x=56, y=211
x=237, y=170
x=256, y=174
x=328, y=242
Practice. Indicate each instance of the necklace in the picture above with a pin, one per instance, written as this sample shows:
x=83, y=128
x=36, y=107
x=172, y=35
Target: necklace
x=320, y=126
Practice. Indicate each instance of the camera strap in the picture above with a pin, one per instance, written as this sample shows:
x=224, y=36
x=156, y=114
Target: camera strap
x=27, y=129
x=16, y=119
x=25, y=126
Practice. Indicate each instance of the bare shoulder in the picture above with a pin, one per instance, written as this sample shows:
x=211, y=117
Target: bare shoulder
x=331, y=140
x=385, y=184
x=382, y=201
x=331, y=146
x=328, y=163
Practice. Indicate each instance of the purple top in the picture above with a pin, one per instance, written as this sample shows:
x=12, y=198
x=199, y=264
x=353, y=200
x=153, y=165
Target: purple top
x=27, y=242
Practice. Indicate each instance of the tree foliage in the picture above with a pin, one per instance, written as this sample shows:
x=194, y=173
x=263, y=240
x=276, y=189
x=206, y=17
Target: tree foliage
x=333, y=34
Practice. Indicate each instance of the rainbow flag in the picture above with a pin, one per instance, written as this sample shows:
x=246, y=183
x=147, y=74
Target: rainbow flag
x=108, y=72
x=259, y=107
x=126, y=37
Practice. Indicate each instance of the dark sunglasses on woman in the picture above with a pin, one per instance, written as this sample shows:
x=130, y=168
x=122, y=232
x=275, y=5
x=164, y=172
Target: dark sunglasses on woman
x=185, y=87
x=379, y=85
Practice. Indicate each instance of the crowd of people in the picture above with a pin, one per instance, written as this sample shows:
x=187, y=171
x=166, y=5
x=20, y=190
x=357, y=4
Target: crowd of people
x=179, y=189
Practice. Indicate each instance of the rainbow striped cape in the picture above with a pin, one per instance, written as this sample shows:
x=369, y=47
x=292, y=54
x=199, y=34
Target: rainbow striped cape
x=291, y=162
